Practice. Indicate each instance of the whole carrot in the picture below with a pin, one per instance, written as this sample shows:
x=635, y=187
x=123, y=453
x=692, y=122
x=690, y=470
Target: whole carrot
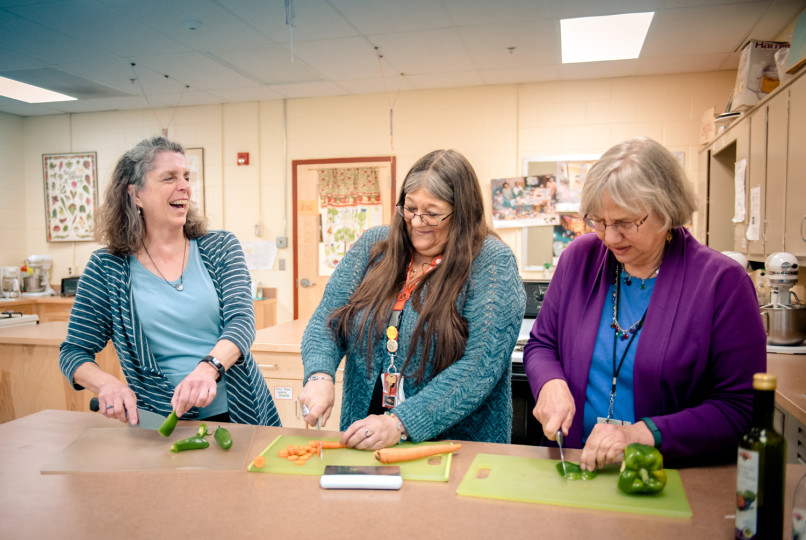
x=394, y=455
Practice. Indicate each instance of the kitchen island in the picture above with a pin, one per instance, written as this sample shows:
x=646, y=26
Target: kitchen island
x=240, y=504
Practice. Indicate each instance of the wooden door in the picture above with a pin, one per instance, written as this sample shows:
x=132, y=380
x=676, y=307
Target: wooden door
x=309, y=281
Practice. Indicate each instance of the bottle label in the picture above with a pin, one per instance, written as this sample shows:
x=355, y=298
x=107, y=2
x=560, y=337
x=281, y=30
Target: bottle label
x=747, y=473
x=799, y=523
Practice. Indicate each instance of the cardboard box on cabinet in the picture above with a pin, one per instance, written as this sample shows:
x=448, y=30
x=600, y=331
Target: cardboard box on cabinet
x=757, y=74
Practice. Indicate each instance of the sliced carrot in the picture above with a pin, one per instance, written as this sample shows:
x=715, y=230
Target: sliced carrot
x=283, y=453
x=292, y=457
x=327, y=445
x=394, y=455
x=259, y=462
x=299, y=462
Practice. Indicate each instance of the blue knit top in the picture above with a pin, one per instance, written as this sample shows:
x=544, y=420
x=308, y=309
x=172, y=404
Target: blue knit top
x=470, y=400
x=104, y=310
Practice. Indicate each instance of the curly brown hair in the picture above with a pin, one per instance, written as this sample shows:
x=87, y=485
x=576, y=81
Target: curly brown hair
x=119, y=225
x=448, y=176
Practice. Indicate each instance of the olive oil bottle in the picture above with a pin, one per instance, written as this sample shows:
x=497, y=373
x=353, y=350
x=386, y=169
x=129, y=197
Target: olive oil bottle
x=760, y=468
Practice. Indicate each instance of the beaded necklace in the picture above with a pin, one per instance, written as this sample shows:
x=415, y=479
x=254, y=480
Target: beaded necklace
x=620, y=332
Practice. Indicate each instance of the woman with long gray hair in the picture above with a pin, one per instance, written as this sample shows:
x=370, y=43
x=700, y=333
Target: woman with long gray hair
x=427, y=311
x=174, y=298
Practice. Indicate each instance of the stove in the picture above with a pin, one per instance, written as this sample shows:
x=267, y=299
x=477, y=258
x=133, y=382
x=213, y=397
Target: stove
x=17, y=318
x=525, y=428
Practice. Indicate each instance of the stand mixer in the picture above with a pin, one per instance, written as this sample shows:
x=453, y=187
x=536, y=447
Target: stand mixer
x=784, y=321
x=37, y=281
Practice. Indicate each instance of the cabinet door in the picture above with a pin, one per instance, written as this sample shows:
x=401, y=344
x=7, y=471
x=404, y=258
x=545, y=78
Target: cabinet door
x=775, y=203
x=795, y=235
x=756, y=177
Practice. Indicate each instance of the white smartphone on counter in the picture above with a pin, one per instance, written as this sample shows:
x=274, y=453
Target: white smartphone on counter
x=361, y=477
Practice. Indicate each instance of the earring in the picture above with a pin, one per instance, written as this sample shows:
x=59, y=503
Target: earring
x=668, y=236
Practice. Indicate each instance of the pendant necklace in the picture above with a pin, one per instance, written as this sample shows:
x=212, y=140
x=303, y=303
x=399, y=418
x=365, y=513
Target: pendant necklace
x=628, y=278
x=178, y=286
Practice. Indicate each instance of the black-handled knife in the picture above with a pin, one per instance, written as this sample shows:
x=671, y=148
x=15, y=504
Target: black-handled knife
x=148, y=419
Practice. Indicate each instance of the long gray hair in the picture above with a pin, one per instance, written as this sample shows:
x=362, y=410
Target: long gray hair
x=640, y=172
x=119, y=225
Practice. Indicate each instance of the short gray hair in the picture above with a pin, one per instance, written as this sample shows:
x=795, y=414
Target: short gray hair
x=640, y=171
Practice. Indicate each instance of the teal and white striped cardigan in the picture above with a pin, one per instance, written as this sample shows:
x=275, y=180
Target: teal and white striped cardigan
x=103, y=310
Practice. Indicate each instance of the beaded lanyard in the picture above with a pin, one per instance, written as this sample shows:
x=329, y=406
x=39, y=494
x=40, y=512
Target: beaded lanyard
x=391, y=379
x=630, y=334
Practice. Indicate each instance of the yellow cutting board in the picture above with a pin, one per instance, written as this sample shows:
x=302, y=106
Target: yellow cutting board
x=136, y=449
x=537, y=481
x=433, y=468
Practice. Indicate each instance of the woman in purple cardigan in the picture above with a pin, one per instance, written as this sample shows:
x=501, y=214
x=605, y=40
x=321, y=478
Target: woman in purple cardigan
x=645, y=335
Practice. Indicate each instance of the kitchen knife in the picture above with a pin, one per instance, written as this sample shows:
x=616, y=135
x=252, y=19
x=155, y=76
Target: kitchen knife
x=147, y=419
x=562, y=457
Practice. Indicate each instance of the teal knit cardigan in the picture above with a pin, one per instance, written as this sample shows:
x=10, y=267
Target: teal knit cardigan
x=470, y=400
x=103, y=310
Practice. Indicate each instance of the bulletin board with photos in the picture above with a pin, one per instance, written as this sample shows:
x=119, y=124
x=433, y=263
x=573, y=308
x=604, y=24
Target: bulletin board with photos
x=564, y=176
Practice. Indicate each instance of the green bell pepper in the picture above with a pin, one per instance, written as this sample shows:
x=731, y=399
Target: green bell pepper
x=575, y=472
x=641, y=470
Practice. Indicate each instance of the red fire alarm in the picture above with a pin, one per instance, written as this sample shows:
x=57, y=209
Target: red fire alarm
x=243, y=158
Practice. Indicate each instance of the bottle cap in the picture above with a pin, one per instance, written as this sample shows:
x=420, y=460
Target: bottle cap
x=764, y=381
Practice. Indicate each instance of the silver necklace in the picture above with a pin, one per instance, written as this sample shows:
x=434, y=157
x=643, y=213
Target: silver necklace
x=179, y=287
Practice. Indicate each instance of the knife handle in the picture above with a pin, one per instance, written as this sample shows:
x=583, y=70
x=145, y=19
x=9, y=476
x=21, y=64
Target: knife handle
x=94, y=407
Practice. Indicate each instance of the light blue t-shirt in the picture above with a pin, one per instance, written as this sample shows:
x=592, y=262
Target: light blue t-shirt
x=632, y=306
x=181, y=327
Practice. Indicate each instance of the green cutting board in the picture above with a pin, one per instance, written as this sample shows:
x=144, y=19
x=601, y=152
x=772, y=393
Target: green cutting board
x=434, y=468
x=536, y=480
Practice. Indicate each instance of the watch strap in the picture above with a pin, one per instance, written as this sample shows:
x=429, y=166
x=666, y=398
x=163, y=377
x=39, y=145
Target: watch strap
x=213, y=361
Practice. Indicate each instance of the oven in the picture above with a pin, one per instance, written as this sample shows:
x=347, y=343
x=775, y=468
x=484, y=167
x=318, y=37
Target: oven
x=525, y=429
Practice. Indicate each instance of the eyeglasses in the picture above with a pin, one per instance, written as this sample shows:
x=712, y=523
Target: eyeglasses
x=624, y=228
x=432, y=220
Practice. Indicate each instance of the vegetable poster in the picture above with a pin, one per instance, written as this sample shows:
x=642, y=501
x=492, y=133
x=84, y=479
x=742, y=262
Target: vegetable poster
x=71, y=196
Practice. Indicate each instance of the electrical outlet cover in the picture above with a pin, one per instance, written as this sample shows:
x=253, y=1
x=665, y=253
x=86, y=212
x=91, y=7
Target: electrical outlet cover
x=282, y=241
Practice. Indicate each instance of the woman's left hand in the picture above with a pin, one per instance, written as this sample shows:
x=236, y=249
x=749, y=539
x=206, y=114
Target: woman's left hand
x=198, y=389
x=608, y=441
x=374, y=432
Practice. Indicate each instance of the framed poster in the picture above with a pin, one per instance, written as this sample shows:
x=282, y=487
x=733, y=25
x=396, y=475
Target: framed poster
x=195, y=161
x=71, y=196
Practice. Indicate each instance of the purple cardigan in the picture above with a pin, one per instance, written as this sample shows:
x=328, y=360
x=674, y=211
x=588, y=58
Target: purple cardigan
x=702, y=341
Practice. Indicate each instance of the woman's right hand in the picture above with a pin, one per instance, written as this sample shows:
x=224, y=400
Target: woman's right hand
x=318, y=396
x=116, y=400
x=555, y=408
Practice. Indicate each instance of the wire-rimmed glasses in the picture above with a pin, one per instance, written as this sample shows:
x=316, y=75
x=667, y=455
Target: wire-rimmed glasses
x=432, y=220
x=624, y=228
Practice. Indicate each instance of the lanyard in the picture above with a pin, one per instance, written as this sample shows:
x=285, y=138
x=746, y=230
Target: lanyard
x=397, y=309
x=634, y=330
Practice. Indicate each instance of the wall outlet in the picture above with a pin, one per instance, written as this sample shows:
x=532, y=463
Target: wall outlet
x=258, y=230
x=281, y=264
x=282, y=242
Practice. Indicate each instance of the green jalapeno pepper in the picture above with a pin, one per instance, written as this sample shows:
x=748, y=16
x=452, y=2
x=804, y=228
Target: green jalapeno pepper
x=191, y=443
x=202, y=431
x=575, y=472
x=642, y=470
x=167, y=427
x=223, y=438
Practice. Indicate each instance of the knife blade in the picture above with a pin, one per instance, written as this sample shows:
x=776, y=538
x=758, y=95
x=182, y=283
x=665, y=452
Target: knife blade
x=562, y=457
x=147, y=419
x=319, y=432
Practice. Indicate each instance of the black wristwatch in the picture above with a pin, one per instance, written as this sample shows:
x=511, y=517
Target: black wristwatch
x=212, y=360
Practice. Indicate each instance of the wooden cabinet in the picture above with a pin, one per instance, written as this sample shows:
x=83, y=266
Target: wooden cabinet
x=772, y=137
x=278, y=354
x=795, y=230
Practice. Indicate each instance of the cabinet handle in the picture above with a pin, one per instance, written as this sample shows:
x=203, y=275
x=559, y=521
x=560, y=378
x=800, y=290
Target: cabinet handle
x=802, y=221
x=268, y=366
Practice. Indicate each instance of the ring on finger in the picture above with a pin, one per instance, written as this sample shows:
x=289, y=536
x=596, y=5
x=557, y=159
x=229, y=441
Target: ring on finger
x=367, y=433
x=110, y=406
x=305, y=411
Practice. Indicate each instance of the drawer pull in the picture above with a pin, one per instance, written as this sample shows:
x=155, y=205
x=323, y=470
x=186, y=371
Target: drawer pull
x=268, y=366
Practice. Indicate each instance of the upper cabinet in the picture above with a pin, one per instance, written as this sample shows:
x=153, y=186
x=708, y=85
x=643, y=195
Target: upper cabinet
x=770, y=141
x=795, y=228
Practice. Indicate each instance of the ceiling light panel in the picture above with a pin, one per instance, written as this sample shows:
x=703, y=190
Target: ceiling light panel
x=598, y=39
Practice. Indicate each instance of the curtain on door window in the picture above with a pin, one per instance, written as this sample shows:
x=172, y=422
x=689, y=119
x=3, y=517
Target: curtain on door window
x=350, y=201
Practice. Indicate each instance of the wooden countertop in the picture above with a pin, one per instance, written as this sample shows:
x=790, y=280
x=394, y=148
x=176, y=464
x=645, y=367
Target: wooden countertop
x=286, y=337
x=50, y=333
x=220, y=504
x=790, y=369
